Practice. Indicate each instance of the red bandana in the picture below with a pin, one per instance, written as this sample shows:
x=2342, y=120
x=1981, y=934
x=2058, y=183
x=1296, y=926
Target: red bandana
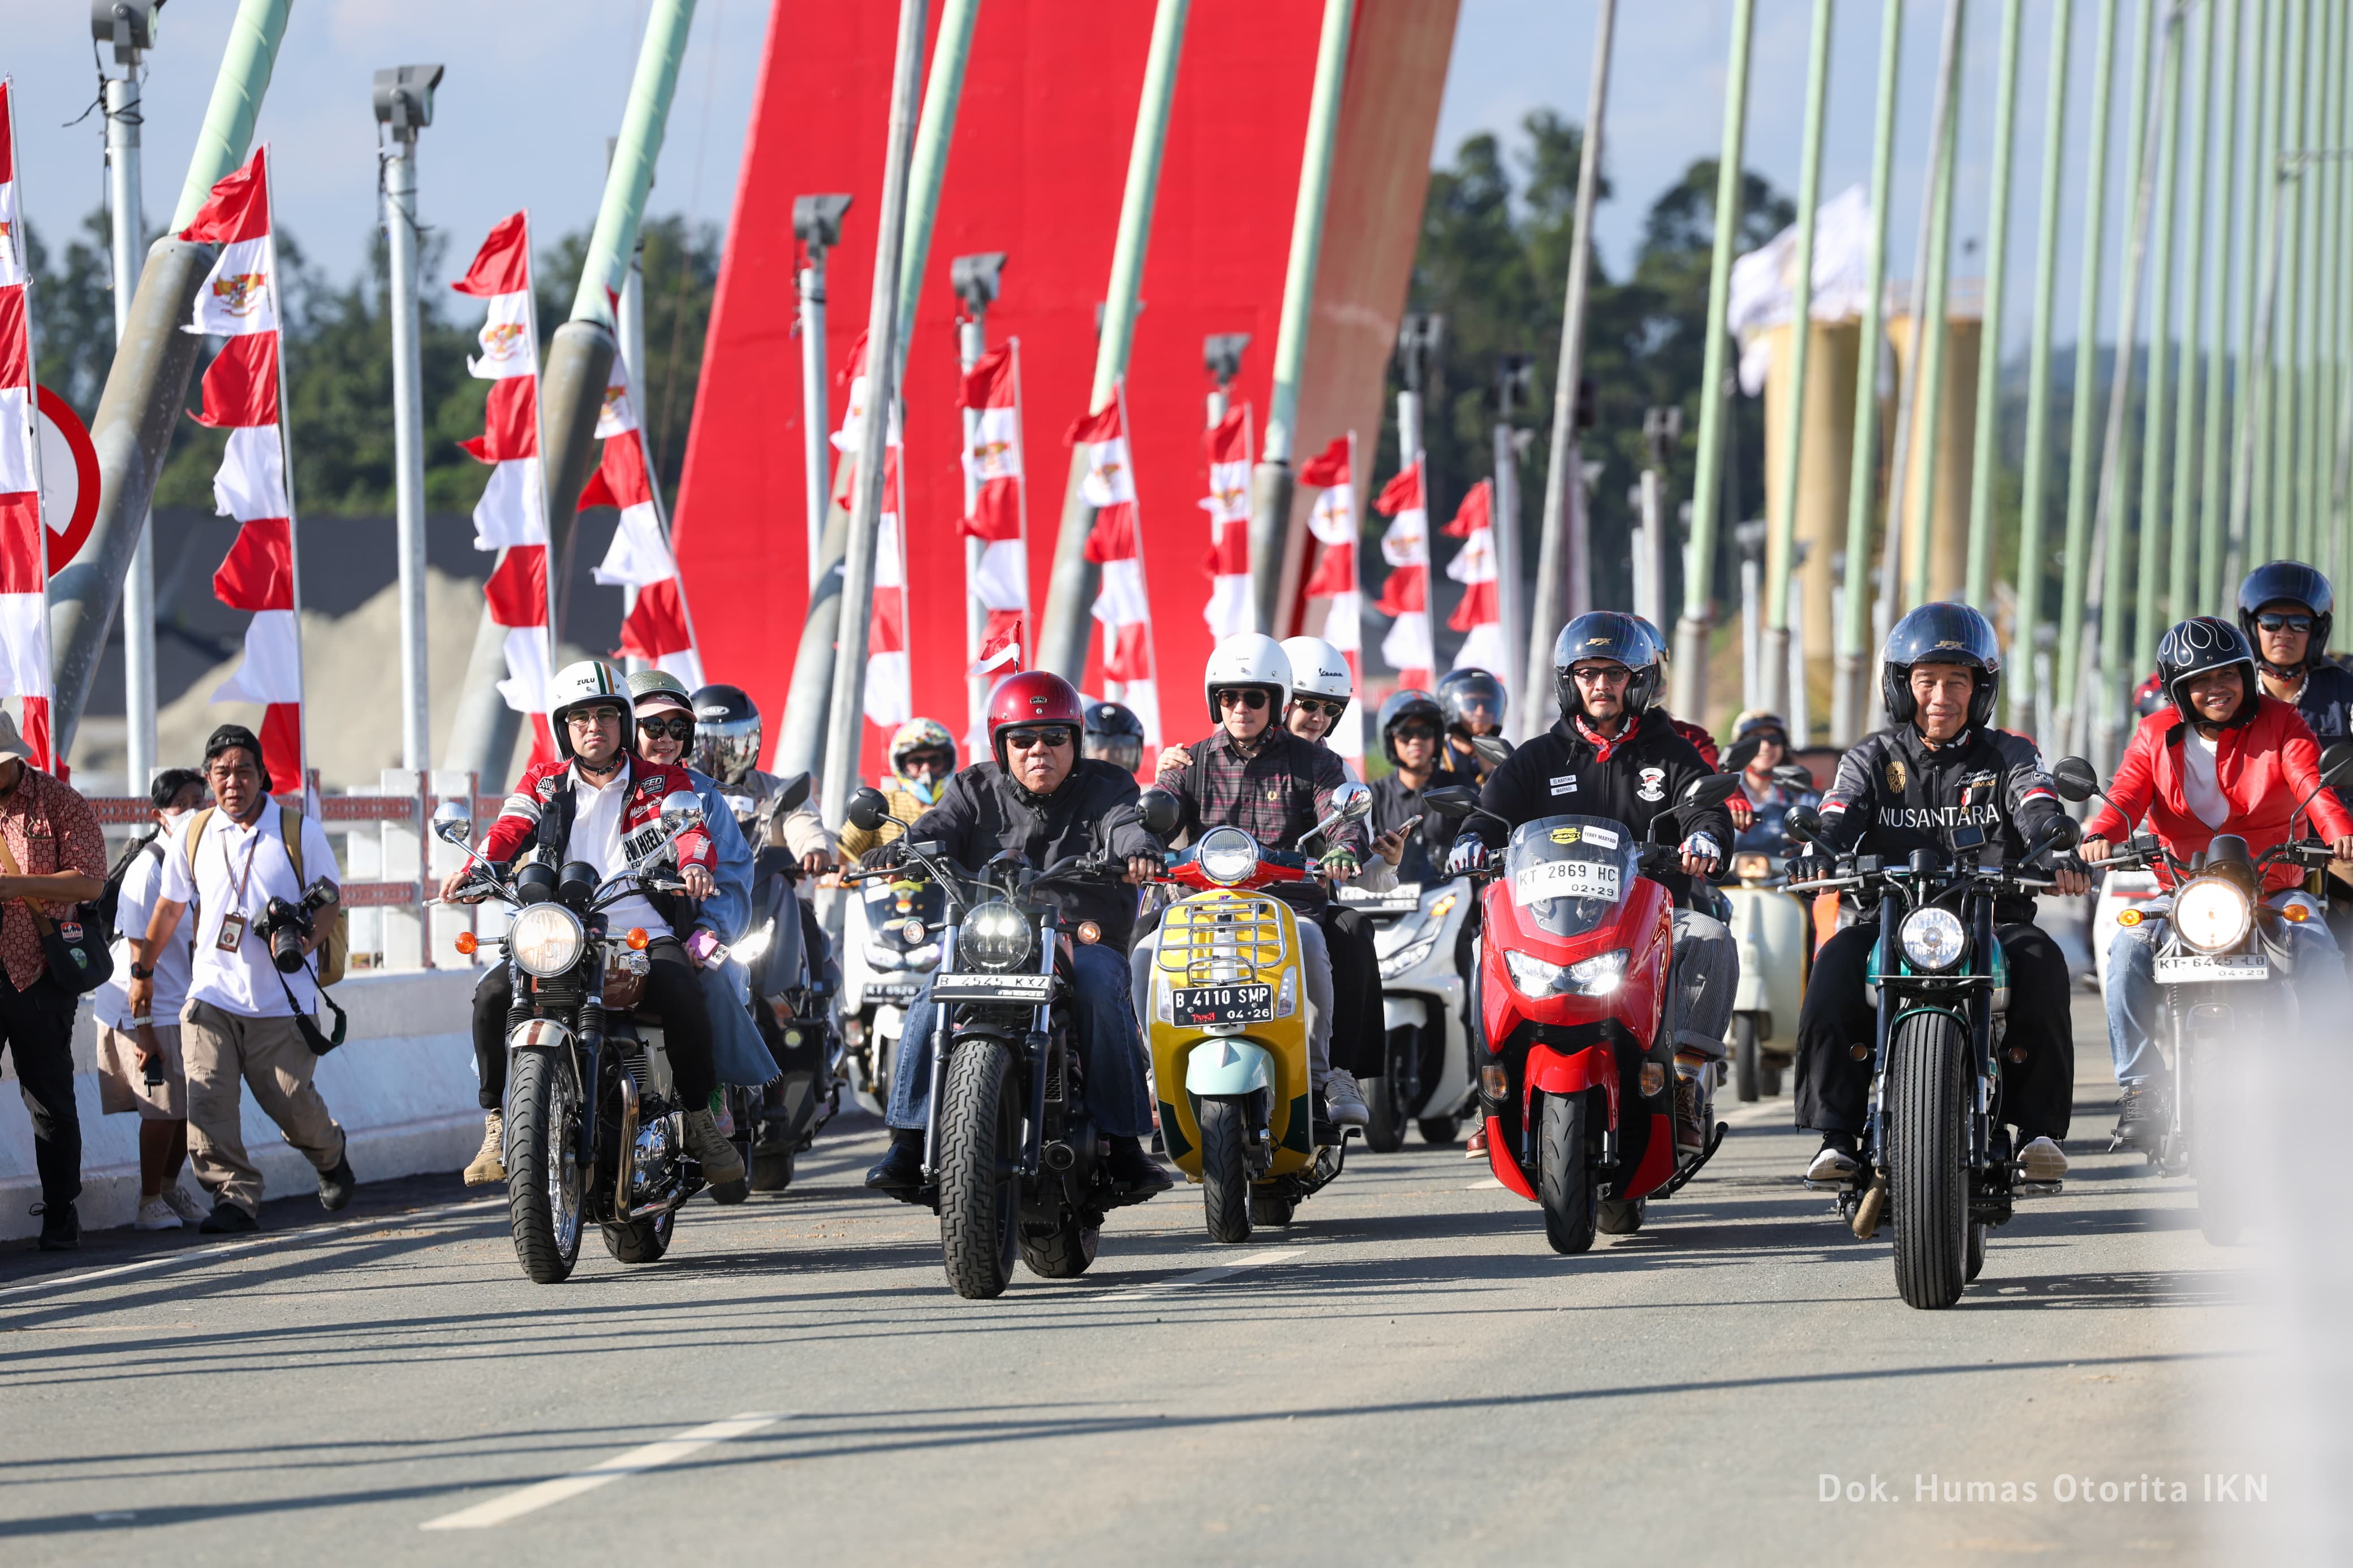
x=1603, y=745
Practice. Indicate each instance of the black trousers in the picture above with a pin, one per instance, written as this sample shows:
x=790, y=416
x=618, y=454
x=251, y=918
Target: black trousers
x=36, y=1030
x=1833, y=1090
x=672, y=988
x=1359, y=1039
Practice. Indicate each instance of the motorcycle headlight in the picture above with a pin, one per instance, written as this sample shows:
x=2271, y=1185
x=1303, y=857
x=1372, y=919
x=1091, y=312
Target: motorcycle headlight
x=2212, y=914
x=1227, y=855
x=1933, y=939
x=993, y=937
x=884, y=959
x=747, y=951
x=1596, y=976
x=545, y=940
x=1397, y=963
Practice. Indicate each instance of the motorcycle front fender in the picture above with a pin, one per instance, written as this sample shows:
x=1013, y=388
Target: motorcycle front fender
x=1400, y=1012
x=1221, y=1066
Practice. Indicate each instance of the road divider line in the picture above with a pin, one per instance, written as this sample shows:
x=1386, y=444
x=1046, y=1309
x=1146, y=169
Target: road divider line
x=637, y=1461
x=1492, y=1184
x=1203, y=1275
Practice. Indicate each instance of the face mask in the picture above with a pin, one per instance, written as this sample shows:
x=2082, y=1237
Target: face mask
x=923, y=790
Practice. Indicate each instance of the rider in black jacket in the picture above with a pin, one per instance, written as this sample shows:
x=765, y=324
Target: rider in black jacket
x=1906, y=788
x=1413, y=738
x=2287, y=609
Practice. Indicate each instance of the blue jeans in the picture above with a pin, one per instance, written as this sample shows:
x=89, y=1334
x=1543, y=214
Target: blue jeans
x=2321, y=990
x=1102, y=1026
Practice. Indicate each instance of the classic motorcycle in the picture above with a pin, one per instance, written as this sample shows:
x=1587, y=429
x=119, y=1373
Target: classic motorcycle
x=1229, y=1024
x=1425, y=1079
x=593, y=1127
x=1935, y=1154
x=2221, y=954
x=1578, y=1066
x=1012, y=1162
x=891, y=944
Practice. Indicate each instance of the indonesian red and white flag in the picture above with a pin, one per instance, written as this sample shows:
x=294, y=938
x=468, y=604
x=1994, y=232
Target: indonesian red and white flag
x=24, y=541
x=995, y=507
x=889, y=698
x=512, y=516
x=1479, y=615
x=1405, y=597
x=1333, y=579
x=1116, y=545
x=238, y=301
x=850, y=385
x=657, y=629
x=1228, y=446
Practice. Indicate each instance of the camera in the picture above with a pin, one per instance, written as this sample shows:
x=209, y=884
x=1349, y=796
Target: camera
x=286, y=924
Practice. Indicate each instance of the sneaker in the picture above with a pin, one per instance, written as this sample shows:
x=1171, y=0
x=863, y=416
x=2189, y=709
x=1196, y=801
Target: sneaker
x=60, y=1228
x=154, y=1214
x=1345, y=1100
x=901, y=1169
x=1689, y=1134
x=1477, y=1148
x=490, y=1164
x=1134, y=1169
x=2043, y=1161
x=227, y=1219
x=185, y=1204
x=336, y=1186
x=1835, y=1162
x=722, y=1162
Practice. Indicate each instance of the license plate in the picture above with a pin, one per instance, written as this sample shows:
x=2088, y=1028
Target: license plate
x=1199, y=1004
x=1028, y=988
x=891, y=991
x=2190, y=966
x=1565, y=880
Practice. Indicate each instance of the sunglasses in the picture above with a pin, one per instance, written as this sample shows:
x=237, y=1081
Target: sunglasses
x=680, y=730
x=1329, y=709
x=581, y=717
x=931, y=761
x=1054, y=737
x=1417, y=732
x=2279, y=622
x=1248, y=697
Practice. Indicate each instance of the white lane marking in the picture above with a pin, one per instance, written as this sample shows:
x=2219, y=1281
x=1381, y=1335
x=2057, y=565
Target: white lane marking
x=1491, y=1184
x=213, y=1252
x=637, y=1461
x=1203, y=1275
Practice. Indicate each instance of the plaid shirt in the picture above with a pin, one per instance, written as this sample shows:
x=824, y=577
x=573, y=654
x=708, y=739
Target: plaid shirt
x=48, y=828
x=1253, y=792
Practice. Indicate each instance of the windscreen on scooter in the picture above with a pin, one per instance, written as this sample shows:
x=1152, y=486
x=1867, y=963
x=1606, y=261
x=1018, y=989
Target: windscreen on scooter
x=1569, y=873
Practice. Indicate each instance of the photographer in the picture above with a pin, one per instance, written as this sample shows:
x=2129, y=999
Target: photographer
x=243, y=867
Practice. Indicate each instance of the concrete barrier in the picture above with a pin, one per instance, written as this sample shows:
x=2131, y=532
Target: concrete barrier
x=402, y=1084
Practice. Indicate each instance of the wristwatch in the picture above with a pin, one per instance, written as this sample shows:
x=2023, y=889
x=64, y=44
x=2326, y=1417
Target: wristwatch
x=141, y=972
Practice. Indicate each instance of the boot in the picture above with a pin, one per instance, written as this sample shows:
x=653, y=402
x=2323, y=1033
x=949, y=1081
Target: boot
x=899, y=1172
x=336, y=1186
x=1134, y=1169
x=1690, y=1135
x=721, y=1161
x=489, y=1165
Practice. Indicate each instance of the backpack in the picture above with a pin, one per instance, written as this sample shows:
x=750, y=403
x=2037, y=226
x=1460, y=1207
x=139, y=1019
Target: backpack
x=110, y=898
x=331, y=953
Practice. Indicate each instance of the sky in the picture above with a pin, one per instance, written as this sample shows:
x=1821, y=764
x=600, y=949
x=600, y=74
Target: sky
x=500, y=136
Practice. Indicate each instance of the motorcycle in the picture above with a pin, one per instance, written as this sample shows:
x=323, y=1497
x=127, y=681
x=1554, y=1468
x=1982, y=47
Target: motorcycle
x=2220, y=954
x=2125, y=886
x=1229, y=1026
x=594, y=1128
x=1775, y=930
x=1576, y=1075
x=1012, y=1163
x=1425, y=1072
x=890, y=944
x=1935, y=1152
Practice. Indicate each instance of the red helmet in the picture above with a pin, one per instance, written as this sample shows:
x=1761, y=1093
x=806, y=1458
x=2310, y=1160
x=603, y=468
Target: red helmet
x=1033, y=697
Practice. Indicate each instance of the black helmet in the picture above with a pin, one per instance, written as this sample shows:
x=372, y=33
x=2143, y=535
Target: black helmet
x=2288, y=582
x=726, y=732
x=1612, y=635
x=2203, y=643
x=1407, y=703
x=1944, y=633
x=1460, y=688
x=1115, y=735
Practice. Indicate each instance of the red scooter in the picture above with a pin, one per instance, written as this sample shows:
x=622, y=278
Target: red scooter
x=1575, y=1072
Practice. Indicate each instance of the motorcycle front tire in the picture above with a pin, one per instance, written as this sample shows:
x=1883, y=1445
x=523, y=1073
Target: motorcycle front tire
x=1564, y=1181
x=1747, y=1071
x=1385, y=1129
x=1927, y=1144
x=979, y=1144
x=546, y=1188
x=1225, y=1170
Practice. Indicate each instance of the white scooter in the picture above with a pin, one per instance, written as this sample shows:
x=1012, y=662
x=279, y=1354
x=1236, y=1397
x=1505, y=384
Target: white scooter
x=1774, y=929
x=891, y=942
x=2120, y=890
x=1426, y=1075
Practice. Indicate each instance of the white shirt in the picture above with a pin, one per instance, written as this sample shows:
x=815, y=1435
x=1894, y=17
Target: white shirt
x=2200, y=786
x=596, y=839
x=143, y=883
x=245, y=982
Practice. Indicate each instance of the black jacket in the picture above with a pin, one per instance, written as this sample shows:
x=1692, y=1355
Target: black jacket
x=2326, y=703
x=1426, y=846
x=1562, y=773
x=1895, y=793
x=982, y=814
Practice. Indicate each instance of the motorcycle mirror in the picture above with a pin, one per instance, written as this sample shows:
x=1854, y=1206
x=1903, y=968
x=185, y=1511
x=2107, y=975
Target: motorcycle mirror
x=452, y=823
x=1352, y=802
x=2075, y=780
x=681, y=809
x=868, y=809
x=1793, y=775
x=1159, y=812
x=1450, y=801
x=1493, y=749
x=1802, y=823
x=1713, y=789
x=794, y=794
x=2064, y=835
x=2337, y=763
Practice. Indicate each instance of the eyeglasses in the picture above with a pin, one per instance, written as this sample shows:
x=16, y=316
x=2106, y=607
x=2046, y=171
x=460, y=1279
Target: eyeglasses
x=1416, y=732
x=1601, y=675
x=581, y=717
x=1054, y=737
x=1249, y=697
x=2274, y=622
x=680, y=730
x=1328, y=708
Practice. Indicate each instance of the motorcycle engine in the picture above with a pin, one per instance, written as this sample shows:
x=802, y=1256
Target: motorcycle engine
x=658, y=1141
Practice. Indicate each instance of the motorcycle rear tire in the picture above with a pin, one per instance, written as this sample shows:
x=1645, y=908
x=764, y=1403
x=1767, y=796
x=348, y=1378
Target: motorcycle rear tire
x=772, y=1171
x=1927, y=1146
x=1619, y=1217
x=1564, y=1181
x=545, y=1186
x=980, y=1135
x=1747, y=1071
x=1270, y=1208
x=1977, y=1229
x=641, y=1240
x=1385, y=1132
x=1225, y=1171
x=1441, y=1131
x=1769, y=1074
x=1065, y=1253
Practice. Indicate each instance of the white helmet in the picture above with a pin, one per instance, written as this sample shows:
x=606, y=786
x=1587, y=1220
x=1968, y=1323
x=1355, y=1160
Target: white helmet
x=578, y=686
x=1318, y=669
x=1246, y=658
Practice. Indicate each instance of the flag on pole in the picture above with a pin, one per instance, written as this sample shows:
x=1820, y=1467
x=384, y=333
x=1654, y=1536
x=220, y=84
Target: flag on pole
x=1116, y=545
x=1228, y=443
x=890, y=698
x=512, y=517
x=657, y=629
x=24, y=547
x=849, y=391
x=1405, y=597
x=996, y=510
x=1479, y=615
x=1334, y=525
x=243, y=396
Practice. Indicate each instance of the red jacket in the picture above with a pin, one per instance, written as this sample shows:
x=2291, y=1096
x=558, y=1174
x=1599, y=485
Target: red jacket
x=2264, y=769
x=1701, y=741
x=534, y=795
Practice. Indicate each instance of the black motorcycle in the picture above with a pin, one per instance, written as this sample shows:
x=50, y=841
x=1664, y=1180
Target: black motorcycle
x=1937, y=1156
x=1012, y=1162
